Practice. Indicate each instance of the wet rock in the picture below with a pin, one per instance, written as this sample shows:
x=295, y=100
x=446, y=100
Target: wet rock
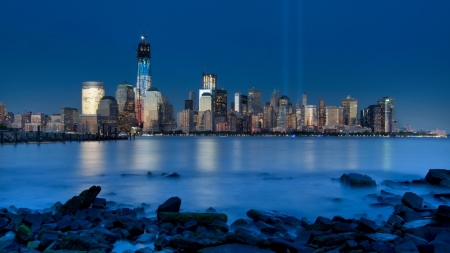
x=427, y=233
x=341, y=227
x=245, y=236
x=367, y=225
x=411, y=200
x=418, y=241
x=357, y=180
x=146, y=238
x=191, y=225
x=99, y=203
x=281, y=245
x=47, y=239
x=438, y=177
x=171, y=205
x=443, y=213
x=171, y=175
x=444, y=236
x=407, y=246
x=23, y=233
x=33, y=219
x=144, y=250
x=333, y=239
x=149, y=174
x=273, y=217
x=102, y=235
x=393, y=219
x=439, y=246
x=240, y=223
x=211, y=210
x=201, y=218
x=10, y=247
x=322, y=220
x=76, y=242
x=229, y=248
x=82, y=201
x=381, y=237
x=417, y=223
x=197, y=241
x=382, y=248
x=218, y=226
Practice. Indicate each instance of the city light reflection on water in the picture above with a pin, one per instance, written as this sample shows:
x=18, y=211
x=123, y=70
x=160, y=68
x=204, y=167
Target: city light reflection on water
x=225, y=173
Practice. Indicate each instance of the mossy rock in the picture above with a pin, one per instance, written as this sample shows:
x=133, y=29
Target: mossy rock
x=24, y=233
x=201, y=218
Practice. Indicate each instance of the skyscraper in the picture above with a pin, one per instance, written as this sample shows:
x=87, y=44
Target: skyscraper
x=220, y=103
x=254, y=101
x=152, y=117
x=144, y=76
x=274, y=99
x=268, y=114
x=283, y=111
x=125, y=97
x=209, y=82
x=334, y=116
x=351, y=111
x=237, y=102
x=304, y=99
x=91, y=94
x=194, y=100
x=2, y=112
x=310, y=120
x=189, y=105
x=69, y=119
x=321, y=121
x=387, y=114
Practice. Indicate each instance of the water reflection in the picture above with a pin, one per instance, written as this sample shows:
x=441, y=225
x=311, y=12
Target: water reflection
x=91, y=158
x=386, y=155
x=353, y=155
x=309, y=155
x=207, y=155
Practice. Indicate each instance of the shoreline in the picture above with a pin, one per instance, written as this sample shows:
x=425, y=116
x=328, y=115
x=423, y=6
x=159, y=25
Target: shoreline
x=95, y=224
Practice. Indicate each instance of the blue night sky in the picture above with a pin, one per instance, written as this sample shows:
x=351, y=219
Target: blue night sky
x=328, y=49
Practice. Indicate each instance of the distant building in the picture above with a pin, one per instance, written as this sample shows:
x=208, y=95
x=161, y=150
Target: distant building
x=91, y=94
x=108, y=112
x=387, y=114
x=283, y=111
x=310, y=118
x=9, y=119
x=221, y=103
x=334, y=117
x=55, y=125
x=17, y=124
x=186, y=120
x=88, y=123
x=371, y=118
x=274, y=97
x=3, y=111
x=321, y=115
x=351, y=111
x=69, y=119
x=194, y=100
x=152, y=119
x=36, y=123
x=268, y=116
x=189, y=105
x=125, y=97
x=26, y=118
x=209, y=81
x=254, y=101
x=144, y=78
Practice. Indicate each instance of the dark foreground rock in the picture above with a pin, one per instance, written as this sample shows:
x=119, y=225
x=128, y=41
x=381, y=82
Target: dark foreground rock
x=357, y=180
x=82, y=201
x=438, y=177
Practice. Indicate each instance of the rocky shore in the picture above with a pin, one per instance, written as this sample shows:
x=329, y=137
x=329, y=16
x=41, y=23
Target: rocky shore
x=87, y=223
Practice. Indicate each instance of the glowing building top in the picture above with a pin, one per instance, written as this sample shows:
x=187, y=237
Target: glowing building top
x=144, y=72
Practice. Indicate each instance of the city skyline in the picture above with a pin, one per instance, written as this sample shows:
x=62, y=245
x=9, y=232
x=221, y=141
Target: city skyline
x=411, y=66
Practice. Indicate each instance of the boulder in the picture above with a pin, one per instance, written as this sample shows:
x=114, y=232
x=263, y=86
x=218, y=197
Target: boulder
x=438, y=177
x=197, y=241
x=273, y=217
x=99, y=203
x=443, y=213
x=23, y=233
x=240, y=223
x=407, y=246
x=171, y=174
x=411, y=200
x=357, y=180
x=82, y=201
x=381, y=237
x=367, y=225
x=200, y=218
x=245, y=236
x=281, y=245
x=171, y=205
x=333, y=239
x=81, y=243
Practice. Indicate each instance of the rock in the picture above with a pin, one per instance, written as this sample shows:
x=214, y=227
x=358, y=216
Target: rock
x=393, y=219
x=427, y=233
x=322, y=220
x=47, y=239
x=417, y=223
x=99, y=203
x=438, y=177
x=407, y=246
x=245, y=236
x=146, y=238
x=82, y=243
x=411, y=216
x=24, y=233
x=197, y=241
x=443, y=213
x=201, y=218
x=190, y=225
x=33, y=219
x=439, y=247
x=411, y=200
x=382, y=248
x=10, y=247
x=211, y=210
x=341, y=227
x=358, y=180
x=171, y=174
x=444, y=236
x=160, y=242
x=367, y=225
x=281, y=245
x=273, y=217
x=418, y=241
x=240, y=223
x=82, y=201
x=102, y=235
x=333, y=239
x=171, y=205
x=231, y=248
x=149, y=174
x=381, y=237
x=218, y=226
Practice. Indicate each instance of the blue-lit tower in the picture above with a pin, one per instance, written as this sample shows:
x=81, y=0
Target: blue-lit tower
x=144, y=76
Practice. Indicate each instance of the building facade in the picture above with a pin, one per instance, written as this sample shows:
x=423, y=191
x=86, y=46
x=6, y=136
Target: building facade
x=351, y=111
x=91, y=94
x=69, y=119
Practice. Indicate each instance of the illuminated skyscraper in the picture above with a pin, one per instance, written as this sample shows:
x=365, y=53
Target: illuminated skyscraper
x=387, y=114
x=274, y=99
x=351, y=111
x=209, y=82
x=321, y=121
x=310, y=120
x=334, y=116
x=152, y=117
x=237, y=102
x=125, y=97
x=91, y=94
x=220, y=103
x=254, y=101
x=2, y=112
x=194, y=100
x=69, y=119
x=144, y=76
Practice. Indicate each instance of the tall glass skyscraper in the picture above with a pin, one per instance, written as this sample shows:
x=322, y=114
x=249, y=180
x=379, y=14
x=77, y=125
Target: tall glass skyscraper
x=144, y=76
x=91, y=94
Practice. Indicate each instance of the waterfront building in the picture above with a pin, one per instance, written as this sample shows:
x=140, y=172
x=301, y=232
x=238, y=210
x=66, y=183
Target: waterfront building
x=351, y=111
x=321, y=115
x=69, y=119
x=91, y=94
x=193, y=98
x=310, y=119
x=26, y=118
x=387, y=114
x=3, y=111
x=254, y=101
x=189, y=104
x=185, y=120
x=256, y=121
x=283, y=110
x=152, y=110
x=206, y=120
x=55, y=125
x=221, y=103
x=17, y=124
x=304, y=99
x=334, y=117
x=274, y=97
x=167, y=115
x=125, y=97
x=268, y=116
x=231, y=121
x=291, y=121
x=88, y=123
x=108, y=112
x=209, y=82
x=371, y=118
x=8, y=119
x=144, y=77
x=36, y=123
x=206, y=102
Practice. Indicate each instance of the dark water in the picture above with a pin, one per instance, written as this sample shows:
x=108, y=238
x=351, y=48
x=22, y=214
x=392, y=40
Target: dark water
x=232, y=175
